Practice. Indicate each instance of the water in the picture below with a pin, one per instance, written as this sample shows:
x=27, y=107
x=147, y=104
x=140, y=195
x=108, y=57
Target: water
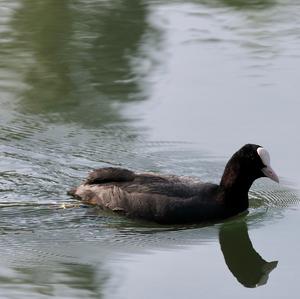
x=166, y=86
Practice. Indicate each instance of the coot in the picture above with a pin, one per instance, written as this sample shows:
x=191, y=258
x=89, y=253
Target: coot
x=177, y=199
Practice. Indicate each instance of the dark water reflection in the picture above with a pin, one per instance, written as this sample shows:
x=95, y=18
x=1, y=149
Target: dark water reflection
x=249, y=268
x=166, y=86
x=249, y=4
x=86, y=58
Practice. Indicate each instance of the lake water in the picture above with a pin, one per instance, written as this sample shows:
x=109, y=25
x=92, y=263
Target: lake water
x=165, y=86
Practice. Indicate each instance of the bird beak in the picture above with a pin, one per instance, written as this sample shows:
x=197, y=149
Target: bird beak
x=270, y=173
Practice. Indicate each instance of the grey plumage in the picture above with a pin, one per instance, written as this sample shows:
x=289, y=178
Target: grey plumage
x=160, y=198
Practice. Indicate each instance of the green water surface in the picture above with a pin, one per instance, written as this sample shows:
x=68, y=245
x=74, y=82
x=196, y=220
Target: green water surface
x=165, y=86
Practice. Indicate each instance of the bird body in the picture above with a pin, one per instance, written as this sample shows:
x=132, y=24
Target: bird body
x=175, y=199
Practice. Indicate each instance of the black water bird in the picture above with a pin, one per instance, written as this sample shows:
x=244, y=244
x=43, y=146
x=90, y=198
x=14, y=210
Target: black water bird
x=177, y=199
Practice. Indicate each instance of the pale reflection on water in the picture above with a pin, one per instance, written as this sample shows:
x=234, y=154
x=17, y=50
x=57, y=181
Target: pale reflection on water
x=172, y=87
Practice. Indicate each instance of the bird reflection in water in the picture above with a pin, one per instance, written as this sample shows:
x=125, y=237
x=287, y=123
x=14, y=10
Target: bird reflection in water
x=249, y=268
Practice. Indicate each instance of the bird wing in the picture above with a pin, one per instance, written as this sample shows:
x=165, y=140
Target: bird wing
x=109, y=174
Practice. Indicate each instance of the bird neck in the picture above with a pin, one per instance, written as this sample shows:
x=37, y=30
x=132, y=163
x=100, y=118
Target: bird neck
x=235, y=185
